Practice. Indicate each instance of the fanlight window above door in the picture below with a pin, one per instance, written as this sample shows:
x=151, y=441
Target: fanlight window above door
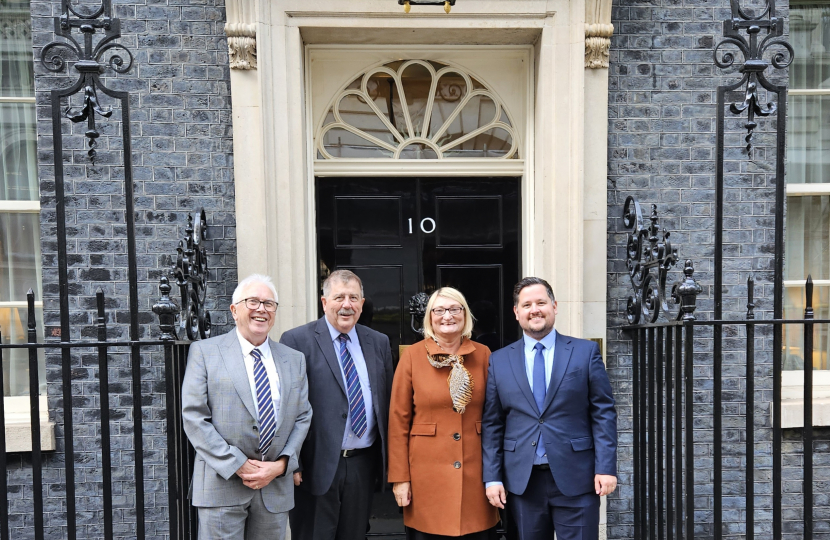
x=416, y=109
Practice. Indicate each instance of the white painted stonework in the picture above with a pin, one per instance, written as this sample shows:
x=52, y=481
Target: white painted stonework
x=532, y=53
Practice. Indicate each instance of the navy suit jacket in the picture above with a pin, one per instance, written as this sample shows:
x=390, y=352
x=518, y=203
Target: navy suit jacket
x=578, y=421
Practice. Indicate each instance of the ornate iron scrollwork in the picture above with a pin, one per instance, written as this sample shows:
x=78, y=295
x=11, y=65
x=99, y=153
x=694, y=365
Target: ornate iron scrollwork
x=88, y=59
x=754, y=62
x=417, y=310
x=190, y=272
x=648, y=249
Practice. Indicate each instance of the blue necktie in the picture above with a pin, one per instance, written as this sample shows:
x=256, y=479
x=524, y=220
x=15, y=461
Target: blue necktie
x=539, y=390
x=265, y=404
x=357, y=409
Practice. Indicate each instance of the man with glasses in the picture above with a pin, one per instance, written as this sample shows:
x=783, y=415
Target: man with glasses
x=350, y=383
x=245, y=409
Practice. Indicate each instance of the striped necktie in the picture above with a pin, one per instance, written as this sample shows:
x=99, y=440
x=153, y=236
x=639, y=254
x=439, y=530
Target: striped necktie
x=265, y=404
x=357, y=409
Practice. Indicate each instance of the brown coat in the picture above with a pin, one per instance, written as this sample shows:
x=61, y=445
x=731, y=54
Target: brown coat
x=437, y=449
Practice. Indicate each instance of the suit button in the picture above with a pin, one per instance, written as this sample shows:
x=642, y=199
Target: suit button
x=344, y=415
x=456, y=436
x=533, y=443
x=457, y=464
x=541, y=421
x=256, y=428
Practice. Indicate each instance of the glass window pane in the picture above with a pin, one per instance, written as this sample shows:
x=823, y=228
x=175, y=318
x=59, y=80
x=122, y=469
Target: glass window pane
x=341, y=143
x=477, y=112
x=18, y=152
x=794, y=334
x=810, y=38
x=16, y=56
x=19, y=256
x=417, y=81
x=494, y=142
x=418, y=151
x=357, y=113
x=14, y=325
x=808, y=140
x=449, y=93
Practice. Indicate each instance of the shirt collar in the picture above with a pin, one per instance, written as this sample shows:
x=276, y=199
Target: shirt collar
x=247, y=346
x=335, y=333
x=549, y=341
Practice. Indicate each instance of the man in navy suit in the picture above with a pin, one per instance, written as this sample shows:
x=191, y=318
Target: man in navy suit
x=549, y=428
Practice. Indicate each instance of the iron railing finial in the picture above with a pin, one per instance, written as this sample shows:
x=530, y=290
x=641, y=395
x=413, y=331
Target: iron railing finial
x=687, y=291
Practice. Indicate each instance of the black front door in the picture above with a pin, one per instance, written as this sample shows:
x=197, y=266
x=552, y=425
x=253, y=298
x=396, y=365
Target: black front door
x=407, y=235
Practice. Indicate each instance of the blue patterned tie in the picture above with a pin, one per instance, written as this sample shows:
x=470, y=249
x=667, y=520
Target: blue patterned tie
x=265, y=404
x=539, y=389
x=357, y=409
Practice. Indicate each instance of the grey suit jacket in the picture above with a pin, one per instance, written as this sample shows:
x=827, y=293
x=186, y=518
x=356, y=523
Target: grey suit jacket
x=327, y=394
x=220, y=420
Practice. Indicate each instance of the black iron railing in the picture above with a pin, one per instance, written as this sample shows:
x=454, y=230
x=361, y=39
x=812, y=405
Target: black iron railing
x=669, y=407
x=180, y=453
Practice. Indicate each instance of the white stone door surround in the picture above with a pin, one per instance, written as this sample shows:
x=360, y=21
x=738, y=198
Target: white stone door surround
x=563, y=171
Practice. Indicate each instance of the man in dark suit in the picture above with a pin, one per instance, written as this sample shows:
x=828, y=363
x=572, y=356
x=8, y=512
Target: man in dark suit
x=349, y=387
x=549, y=428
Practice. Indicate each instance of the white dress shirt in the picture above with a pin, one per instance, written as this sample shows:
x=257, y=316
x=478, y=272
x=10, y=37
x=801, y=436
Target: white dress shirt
x=350, y=440
x=549, y=341
x=270, y=369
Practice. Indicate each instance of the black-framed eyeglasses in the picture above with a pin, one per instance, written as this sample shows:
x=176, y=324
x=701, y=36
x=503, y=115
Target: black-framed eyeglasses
x=254, y=303
x=455, y=310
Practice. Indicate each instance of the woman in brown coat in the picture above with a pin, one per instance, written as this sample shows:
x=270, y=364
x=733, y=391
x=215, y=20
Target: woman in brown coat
x=435, y=427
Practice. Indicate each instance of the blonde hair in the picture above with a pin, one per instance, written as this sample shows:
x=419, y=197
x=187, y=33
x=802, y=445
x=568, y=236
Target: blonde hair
x=452, y=294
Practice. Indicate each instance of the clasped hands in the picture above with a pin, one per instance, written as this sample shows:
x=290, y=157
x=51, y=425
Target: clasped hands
x=605, y=484
x=257, y=474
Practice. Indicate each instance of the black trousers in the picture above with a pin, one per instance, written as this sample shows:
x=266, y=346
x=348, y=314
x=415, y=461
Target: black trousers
x=543, y=509
x=342, y=513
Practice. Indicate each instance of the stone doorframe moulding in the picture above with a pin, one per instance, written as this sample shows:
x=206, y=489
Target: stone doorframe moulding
x=564, y=201
x=241, y=32
x=598, y=32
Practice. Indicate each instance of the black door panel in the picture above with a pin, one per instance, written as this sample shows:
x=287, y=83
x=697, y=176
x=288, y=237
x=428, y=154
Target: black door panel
x=407, y=235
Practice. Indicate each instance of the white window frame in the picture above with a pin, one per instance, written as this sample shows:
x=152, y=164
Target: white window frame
x=792, y=381
x=17, y=416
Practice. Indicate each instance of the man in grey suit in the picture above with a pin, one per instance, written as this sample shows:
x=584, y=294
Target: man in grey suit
x=245, y=409
x=349, y=386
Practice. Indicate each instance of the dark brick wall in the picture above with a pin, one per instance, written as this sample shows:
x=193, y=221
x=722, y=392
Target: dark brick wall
x=662, y=122
x=182, y=160
x=661, y=149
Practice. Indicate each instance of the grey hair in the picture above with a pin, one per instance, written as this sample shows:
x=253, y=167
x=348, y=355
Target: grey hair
x=254, y=278
x=343, y=276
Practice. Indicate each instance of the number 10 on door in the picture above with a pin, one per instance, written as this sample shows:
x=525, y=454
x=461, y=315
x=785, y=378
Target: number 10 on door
x=427, y=225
